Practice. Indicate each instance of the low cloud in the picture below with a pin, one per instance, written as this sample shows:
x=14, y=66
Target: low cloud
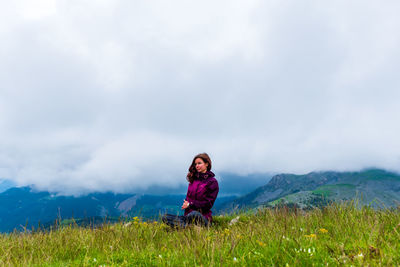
x=119, y=95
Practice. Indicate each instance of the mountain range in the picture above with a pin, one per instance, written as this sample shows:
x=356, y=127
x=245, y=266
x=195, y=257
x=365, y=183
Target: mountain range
x=375, y=187
x=24, y=208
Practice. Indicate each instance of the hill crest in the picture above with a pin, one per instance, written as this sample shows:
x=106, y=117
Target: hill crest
x=371, y=186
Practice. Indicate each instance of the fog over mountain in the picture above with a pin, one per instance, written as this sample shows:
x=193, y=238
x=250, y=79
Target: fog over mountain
x=120, y=95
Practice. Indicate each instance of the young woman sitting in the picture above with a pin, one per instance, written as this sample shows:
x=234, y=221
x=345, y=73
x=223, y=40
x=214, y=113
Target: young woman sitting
x=201, y=194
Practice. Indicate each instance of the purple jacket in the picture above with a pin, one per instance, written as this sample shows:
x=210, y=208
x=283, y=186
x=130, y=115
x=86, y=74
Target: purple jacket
x=202, y=193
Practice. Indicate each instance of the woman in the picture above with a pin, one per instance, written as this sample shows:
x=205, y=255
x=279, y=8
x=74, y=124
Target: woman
x=202, y=192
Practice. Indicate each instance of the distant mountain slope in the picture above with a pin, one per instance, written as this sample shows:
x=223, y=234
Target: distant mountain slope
x=233, y=184
x=23, y=207
x=373, y=186
x=229, y=184
x=5, y=184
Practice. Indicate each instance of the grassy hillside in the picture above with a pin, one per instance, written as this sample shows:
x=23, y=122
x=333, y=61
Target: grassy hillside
x=339, y=234
x=375, y=187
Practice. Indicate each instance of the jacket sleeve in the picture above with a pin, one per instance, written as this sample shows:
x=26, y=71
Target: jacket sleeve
x=209, y=198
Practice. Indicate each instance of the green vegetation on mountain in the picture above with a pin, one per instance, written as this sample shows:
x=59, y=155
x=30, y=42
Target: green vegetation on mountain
x=328, y=190
x=336, y=235
x=375, y=187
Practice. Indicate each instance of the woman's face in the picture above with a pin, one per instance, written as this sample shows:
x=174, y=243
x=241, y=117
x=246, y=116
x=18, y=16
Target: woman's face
x=200, y=165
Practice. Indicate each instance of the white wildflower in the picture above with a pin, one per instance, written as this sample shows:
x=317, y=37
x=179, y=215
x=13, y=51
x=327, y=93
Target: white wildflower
x=235, y=220
x=234, y=259
x=94, y=259
x=360, y=256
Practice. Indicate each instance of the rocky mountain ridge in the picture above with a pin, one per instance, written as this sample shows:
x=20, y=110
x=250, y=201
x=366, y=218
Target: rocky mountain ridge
x=377, y=187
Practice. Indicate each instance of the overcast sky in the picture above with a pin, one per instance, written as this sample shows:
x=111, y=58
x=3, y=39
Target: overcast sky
x=120, y=95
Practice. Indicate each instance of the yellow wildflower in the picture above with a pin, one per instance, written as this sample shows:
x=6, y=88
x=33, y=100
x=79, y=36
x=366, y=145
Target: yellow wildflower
x=260, y=243
x=323, y=231
x=311, y=235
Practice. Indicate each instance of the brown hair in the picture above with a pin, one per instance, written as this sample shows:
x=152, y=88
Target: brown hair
x=192, y=168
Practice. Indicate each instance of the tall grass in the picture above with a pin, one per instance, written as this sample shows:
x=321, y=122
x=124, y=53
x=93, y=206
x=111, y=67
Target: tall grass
x=339, y=234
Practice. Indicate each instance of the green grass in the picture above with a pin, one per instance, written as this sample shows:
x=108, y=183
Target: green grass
x=377, y=174
x=326, y=190
x=339, y=234
x=291, y=198
x=277, y=201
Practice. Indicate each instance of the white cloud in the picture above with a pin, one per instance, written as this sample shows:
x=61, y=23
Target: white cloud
x=120, y=95
x=36, y=10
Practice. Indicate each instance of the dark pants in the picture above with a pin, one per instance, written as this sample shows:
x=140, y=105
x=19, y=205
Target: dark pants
x=194, y=217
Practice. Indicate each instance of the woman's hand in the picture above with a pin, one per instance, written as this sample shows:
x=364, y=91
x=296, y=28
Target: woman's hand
x=185, y=204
